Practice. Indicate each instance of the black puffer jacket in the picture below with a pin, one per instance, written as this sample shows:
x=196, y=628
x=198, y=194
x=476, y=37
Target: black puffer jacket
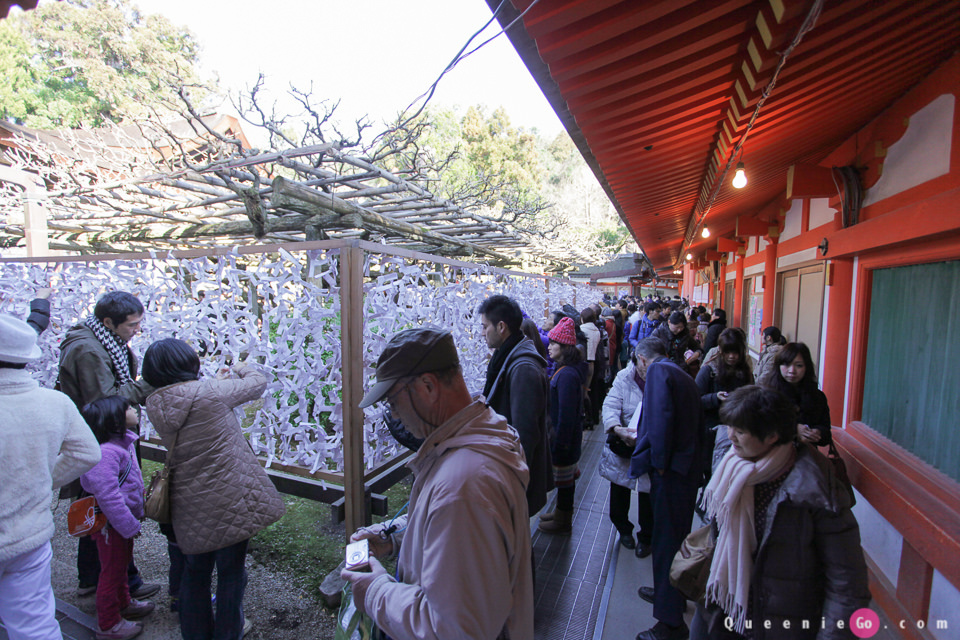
x=676, y=345
x=714, y=329
x=809, y=564
x=812, y=407
x=815, y=412
x=708, y=382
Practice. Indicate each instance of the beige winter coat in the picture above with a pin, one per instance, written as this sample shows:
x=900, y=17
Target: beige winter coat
x=220, y=495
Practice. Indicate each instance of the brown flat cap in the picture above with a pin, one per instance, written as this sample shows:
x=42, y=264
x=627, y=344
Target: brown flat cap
x=411, y=352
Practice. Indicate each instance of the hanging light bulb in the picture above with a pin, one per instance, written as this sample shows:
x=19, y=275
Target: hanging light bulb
x=689, y=257
x=705, y=233
x=740, y=178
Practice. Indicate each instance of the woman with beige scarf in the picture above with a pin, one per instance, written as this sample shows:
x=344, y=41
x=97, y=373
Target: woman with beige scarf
x=788, y=563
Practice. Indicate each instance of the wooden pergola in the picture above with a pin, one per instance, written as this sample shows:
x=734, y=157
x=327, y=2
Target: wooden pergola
x=311, y=193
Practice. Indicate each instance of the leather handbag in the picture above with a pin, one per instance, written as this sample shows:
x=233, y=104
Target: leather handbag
x=840, y=471
x=156, y=501
x=618, y=446
x=690, y=569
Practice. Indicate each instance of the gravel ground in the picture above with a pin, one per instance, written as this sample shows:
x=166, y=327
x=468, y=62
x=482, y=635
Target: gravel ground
x=278, y=607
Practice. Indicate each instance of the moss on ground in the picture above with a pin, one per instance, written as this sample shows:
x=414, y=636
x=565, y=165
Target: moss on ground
x=304, y=544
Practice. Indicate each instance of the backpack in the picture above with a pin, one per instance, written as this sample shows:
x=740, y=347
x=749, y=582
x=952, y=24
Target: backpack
x=602, y=363
x=603, y=349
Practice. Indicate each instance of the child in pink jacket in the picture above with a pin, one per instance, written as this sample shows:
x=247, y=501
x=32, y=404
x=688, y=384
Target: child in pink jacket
x=117, y=484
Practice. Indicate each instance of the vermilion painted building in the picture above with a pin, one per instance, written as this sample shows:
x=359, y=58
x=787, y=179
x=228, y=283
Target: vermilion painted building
x=846, y=236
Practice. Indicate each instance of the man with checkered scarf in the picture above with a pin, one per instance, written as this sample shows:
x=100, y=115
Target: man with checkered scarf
x=95, y=362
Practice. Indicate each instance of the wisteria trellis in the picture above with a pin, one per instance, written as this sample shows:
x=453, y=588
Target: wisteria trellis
x=280, y=308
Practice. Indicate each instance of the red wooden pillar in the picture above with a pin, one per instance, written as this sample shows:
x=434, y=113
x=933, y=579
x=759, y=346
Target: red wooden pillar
x=737, y=293
x=769, y=283
x=839, y=280
x=719, y=302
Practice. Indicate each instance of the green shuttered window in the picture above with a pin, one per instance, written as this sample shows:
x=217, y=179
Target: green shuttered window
x=912, y=380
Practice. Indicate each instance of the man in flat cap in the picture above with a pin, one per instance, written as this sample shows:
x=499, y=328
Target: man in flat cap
x=464, y=547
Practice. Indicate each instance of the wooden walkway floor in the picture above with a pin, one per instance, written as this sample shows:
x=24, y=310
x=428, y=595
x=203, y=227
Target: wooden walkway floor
x=571, y=571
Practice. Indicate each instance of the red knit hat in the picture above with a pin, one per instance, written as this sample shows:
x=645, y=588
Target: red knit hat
x=564, y=332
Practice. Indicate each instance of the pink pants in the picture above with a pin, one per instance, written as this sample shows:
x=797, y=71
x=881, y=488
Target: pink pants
x=113, y=594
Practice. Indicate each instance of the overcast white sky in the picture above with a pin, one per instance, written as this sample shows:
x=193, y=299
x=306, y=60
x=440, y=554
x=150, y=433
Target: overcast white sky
x=374, y=55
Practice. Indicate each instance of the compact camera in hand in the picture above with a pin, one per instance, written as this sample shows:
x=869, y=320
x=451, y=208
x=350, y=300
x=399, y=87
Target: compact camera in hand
x=358, y=555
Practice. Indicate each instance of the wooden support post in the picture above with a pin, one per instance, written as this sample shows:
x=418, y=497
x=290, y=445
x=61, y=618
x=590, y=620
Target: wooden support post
x=721, y=287
x=839, y=317
x=769, y=285
x=34, y=211
x=546, y=309
x=351, y=359
x=35, y=225
x=738, y=294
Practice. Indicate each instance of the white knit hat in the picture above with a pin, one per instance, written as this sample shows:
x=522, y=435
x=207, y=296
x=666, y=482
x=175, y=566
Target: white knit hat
x=18, y=341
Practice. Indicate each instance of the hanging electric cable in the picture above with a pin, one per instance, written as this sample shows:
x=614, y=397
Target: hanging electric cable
x=808, y=23
x=428, y=94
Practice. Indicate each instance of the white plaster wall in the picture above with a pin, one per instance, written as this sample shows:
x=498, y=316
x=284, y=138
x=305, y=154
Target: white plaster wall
x=879, y=539
x=752, y=245
x=791, y=224
x=923, y=153
x=821, y=212
x=755, y=269
x=761, y=244
x=944, y=605
x=796, y=258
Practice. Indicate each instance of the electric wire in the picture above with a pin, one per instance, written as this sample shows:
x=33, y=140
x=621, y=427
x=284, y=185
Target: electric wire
x=851, y=196
x=808, y=23
x=457, y=59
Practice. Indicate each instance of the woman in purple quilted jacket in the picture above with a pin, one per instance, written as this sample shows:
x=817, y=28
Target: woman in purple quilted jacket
x=220, y=496
x=117, y=484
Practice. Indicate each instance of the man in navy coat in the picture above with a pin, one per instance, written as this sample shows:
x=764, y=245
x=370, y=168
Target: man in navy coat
x=669, y=442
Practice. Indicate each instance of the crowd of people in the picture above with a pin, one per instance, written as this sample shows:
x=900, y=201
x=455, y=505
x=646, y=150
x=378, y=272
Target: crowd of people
x=84, y=439
x=685, y=411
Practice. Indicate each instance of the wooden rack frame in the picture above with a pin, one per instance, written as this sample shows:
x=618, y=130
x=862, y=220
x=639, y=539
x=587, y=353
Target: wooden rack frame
x=353, y=493
x=311, y=193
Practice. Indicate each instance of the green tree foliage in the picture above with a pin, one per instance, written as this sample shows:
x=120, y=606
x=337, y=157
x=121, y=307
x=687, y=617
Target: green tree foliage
x=574, y=211
x=492, y=144
x=86, y=62
x=491, y=161
x=586, y=219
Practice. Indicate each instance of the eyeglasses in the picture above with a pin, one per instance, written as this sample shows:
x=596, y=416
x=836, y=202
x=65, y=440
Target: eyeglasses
x=389, y=399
